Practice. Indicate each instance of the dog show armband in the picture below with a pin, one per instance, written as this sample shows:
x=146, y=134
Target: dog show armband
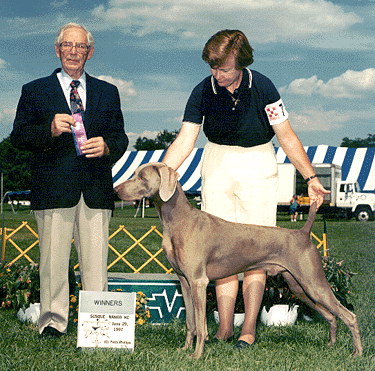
x=276, y=112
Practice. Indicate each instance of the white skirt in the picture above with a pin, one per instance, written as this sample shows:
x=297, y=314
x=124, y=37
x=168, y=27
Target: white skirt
x=240, y=184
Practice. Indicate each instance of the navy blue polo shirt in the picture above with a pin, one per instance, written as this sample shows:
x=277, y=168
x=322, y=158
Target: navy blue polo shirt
x=247, y=123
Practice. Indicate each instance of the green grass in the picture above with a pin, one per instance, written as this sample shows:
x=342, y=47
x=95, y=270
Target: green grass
x=298, y=347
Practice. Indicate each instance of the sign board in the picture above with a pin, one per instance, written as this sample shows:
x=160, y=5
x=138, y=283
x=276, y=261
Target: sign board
x=106, y=320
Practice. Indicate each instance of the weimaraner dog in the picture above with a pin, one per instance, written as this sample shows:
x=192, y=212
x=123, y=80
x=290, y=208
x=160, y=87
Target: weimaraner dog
x=201, y=247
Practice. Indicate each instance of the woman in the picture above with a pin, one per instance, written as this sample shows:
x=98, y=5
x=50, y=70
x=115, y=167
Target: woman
x=242, y=111
x=293, y=209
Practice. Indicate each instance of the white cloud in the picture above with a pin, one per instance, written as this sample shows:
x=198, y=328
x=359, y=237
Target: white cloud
x=188, y=23
x=315, y=120
x=7, y=114
x=349, y=85
x=177, y=119
x=8, y=111
x=262, y=20
x=59, y=4
x=126, y=88
x=303, y=86
x=6, y=118
x=163, y=80
x=134, y=136
x=3, y=63
x=146, y=133
x=31, y=26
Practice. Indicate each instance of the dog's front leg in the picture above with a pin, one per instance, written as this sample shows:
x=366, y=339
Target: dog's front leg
x=199, y=293
x=189, y=313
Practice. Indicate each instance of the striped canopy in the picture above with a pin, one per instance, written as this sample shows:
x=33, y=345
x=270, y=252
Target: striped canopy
x=356, y=163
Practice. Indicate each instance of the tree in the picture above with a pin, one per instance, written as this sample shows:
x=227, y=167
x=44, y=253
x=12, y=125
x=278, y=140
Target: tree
x=162, y=141
x=359, y=143
x=15, y=166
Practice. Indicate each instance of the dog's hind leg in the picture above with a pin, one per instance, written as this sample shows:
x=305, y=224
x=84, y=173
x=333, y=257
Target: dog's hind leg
x=325, y=302
x=350, y=320
x=189, y=313
x=320, y=294
x=296, y=288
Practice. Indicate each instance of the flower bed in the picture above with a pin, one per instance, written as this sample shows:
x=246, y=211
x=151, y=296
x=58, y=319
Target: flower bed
x=20, y=287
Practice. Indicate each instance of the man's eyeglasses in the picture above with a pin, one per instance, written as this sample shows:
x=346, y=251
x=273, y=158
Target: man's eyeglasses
x=67, y=46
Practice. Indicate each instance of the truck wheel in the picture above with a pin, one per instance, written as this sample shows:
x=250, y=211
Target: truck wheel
x=363, y=214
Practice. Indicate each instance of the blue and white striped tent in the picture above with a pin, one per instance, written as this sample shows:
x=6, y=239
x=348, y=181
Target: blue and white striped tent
x=356, y=163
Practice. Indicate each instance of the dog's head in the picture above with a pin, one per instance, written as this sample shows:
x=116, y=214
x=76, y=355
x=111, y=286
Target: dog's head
x=149, y=180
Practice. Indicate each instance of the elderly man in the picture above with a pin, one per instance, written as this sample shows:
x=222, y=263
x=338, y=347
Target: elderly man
x=72, y=190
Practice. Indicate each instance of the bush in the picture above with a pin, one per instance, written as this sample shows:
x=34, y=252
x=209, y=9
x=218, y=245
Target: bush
x=19, y=285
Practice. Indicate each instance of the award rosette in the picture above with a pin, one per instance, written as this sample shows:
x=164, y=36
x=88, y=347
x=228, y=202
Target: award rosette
x=79, y=133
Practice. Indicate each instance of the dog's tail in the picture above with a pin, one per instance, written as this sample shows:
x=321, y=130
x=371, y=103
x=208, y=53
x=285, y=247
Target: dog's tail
x=310, y=220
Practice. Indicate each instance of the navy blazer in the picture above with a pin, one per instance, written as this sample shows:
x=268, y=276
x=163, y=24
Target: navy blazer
x=59, y=175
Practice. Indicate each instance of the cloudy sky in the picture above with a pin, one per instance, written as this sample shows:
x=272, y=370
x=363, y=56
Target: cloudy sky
x=319, y=54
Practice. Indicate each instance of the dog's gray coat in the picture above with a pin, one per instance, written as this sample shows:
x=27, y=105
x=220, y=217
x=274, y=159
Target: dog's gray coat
x=201, y=247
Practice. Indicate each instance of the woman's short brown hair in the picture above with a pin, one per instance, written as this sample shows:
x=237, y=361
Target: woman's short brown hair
x=227, y=42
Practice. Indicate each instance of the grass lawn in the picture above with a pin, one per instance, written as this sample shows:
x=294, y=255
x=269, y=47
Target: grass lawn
x=298, y=347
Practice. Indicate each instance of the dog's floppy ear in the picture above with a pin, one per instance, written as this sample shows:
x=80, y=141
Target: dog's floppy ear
x=168, y=182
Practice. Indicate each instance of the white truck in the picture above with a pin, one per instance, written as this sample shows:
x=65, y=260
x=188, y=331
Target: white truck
x=345, y=200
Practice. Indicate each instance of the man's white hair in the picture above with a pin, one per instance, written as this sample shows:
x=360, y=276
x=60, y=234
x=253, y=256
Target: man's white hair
x=90, y=38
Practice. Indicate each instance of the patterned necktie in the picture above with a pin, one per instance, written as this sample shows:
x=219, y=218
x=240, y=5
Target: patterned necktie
x=78, y=112
x=76, y=105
